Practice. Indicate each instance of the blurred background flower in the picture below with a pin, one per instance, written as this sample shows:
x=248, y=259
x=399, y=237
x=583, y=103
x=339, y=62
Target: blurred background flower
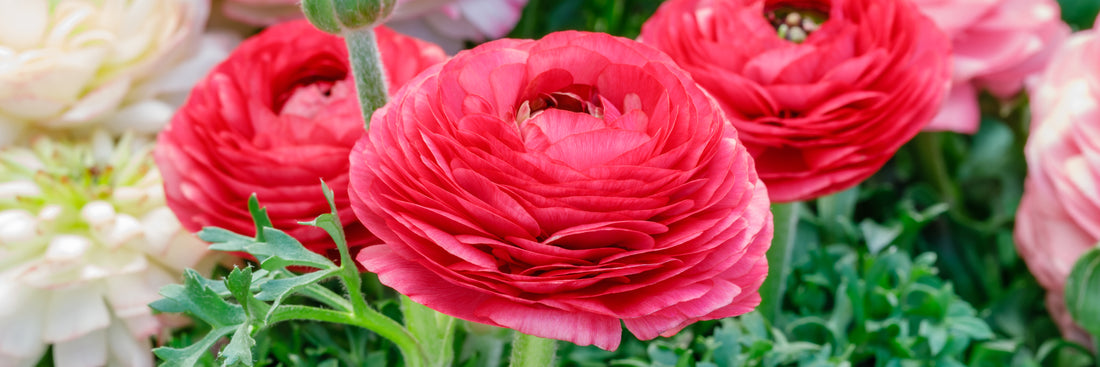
x=121, y=64
x=279, y=115
x=997, y=45
x=448, y=23
x=86, y=242
x=1059, y=215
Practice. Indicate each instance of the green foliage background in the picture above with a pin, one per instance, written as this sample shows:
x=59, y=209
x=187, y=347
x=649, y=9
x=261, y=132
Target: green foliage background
x=915, y=267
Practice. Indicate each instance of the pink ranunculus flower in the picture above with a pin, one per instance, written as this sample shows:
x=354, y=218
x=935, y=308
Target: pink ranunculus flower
x=561, y=188
x=447, y=23
x=996, y=46
x=822, y=92
x=1059, y=215
x=275, y=118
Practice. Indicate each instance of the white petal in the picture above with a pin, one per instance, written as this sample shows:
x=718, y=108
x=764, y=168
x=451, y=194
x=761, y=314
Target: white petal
x=67, y=247
x=127, y=349
x=23, y=22
x=49, y=212
x=126, y=229
x=74, y=312
x=95, y=104
x=160, y=226
x=148, y=116
x=16, y=227
x=88, y=350
x=98, y=213
x=12, y=189
x=21, y=331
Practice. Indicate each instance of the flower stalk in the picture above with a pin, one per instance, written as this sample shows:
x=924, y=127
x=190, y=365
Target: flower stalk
x=533, y=351
x=366, y=65
x=785, y=217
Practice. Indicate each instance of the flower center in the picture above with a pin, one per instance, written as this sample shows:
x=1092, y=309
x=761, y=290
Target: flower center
x=318, y=81
x=580, y=99
x=795, y=24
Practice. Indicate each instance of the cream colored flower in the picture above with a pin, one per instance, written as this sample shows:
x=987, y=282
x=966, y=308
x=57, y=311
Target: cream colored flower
x=86, y=242
x=124, y=64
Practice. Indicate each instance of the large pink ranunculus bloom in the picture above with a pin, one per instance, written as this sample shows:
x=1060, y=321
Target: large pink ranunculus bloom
x=824, y=110
x=561, y=187
x=274, y=119
x=445, y=22
x=996, y=46
x=1059, y=215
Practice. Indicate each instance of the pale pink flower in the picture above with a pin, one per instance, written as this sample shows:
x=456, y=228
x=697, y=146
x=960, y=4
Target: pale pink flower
x=997, y=45
x=1059, y=215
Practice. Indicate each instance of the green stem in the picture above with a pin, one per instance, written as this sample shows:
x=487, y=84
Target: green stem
x=373, y=321
x=930, y=150
x=327, y=297
x=532, y=351
x=785, y=217
x=934, y=167
x=434, y=330
x=366, y=66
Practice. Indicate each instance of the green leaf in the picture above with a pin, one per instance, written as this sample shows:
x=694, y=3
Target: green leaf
x=189, y=357
x=879, y=236
x=277, y=289
x=281, y=250
x=202, y=302
x=239, y=283
x=1083, y=292
x=259, y=217
x=223, y=240
x=973, y=327
x=239, y=350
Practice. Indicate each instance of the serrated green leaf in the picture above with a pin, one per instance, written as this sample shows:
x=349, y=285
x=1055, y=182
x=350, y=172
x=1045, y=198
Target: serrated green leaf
x=189, y=357
x=281, y=250
x=1083, y=292
x=168, y=305
x=276, y=289
x=202, y=302
x=216, y=235
x=239, y=283
x=259, y=217
x=239, y=350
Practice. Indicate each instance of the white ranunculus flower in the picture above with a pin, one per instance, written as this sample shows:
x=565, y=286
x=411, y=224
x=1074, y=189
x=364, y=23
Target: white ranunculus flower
x=122, y=64
x=86, y=242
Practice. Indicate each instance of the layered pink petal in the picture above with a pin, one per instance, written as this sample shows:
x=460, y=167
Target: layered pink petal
x=276, y=118
x=821, y=115
x=1059, y=216
x=562, y=186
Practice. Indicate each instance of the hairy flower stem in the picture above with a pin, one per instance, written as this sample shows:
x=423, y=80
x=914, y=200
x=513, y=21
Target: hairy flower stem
x=785, y=217
x=533, y=351
x=366, y=66
x=364, y=316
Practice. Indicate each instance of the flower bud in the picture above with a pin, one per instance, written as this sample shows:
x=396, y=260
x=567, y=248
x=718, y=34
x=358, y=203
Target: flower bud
x=334, y=16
